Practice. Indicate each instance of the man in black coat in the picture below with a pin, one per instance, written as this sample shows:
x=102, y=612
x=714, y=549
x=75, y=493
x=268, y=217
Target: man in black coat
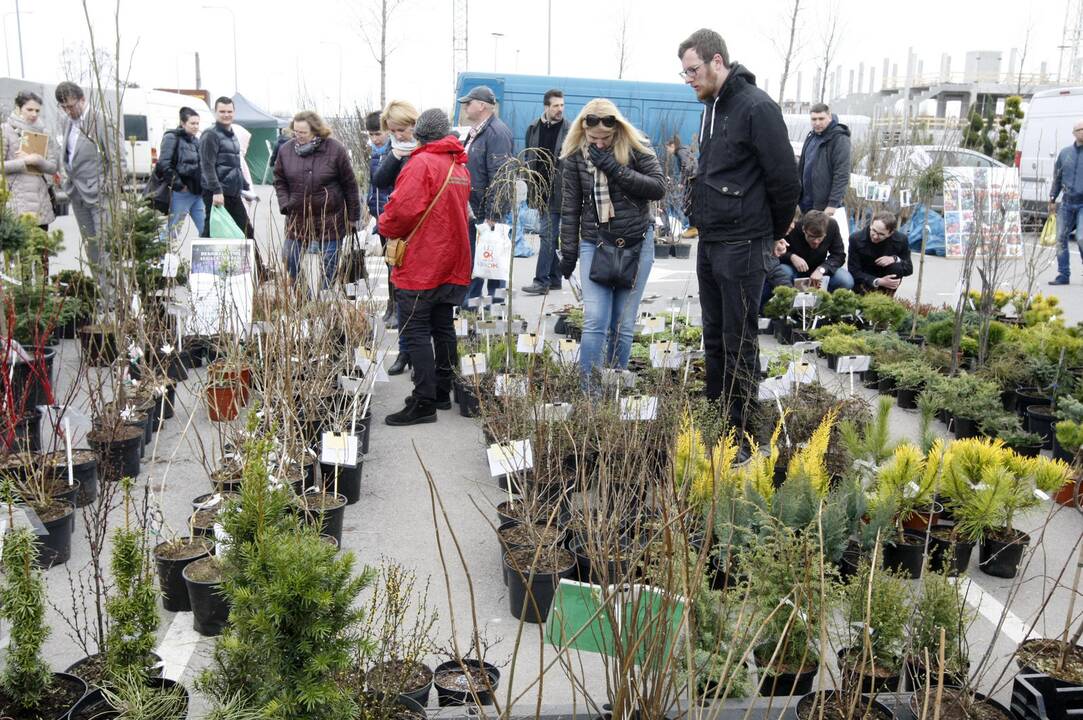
x=824, y=168
x=879, y=256
x=222, y=177
x=544, y=138
x=815, y=251
x=743, y=198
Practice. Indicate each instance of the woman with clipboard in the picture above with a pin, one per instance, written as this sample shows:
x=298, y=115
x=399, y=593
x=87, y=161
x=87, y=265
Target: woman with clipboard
x=30, y=156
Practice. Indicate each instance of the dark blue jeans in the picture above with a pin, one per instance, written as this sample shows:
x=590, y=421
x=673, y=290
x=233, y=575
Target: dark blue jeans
x=548, y=270
x=1069, y=220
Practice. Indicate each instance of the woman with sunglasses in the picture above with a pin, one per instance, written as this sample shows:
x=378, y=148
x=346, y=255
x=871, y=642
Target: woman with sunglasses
x=610, y=177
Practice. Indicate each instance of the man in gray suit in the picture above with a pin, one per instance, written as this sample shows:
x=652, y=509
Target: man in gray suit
x=87, y=155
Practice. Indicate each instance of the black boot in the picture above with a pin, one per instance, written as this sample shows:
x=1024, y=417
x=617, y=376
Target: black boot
x=416, y=412
x=399, y=366
x=443, y=400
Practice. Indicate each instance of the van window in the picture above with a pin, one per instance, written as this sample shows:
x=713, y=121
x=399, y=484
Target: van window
x=135, y=126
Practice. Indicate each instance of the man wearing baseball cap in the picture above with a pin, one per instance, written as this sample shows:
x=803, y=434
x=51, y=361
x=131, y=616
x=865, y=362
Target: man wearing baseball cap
x=488, y=146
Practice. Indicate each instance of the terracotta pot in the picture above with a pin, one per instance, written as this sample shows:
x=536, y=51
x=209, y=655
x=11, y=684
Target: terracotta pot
x=223, y=402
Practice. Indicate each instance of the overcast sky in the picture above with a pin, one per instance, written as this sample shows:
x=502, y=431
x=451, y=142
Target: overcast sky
x=291, y=50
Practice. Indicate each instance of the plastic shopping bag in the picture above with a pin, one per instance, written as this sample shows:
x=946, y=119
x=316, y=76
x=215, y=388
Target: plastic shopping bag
x=492, y=254
x=1048, y=238
x=222, y=225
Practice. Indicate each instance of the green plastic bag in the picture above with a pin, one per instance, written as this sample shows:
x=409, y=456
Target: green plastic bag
x=222, y=225
x=1048, y=237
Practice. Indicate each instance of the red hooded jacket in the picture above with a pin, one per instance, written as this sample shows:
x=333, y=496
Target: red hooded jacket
x=439, y=252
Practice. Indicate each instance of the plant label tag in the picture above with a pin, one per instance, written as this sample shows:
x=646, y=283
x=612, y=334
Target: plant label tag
x=804, y=300
x=338, y=449
x=211, y=502
x=529, y=343
x=567, y=351
x=509, y=457
x=853, y=363
x=368, y=364
x=1041, y=495
x=914, y=488
x=763, y=323
x=501, y=294
x=359, y=354
x=653, y=324
x=474, y=302
x=618, y=378
x=500, y=326
x=666, y=355
x=472, y=364
x=554, y=412
x=904, y=198
x=510, y=386
x=170, y=265
x=487, y=326
x=638, y=407
x=352, y=289
x=350, y=384
x=772, y=388
x=765, y=362
x=800, y=373
x=806, y=346
x=462, y=327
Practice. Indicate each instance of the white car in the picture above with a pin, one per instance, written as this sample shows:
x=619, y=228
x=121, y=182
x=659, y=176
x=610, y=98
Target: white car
x=911, y=160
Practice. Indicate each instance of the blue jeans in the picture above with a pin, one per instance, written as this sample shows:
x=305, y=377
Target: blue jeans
x=477, y=283
x=609, y=314
x=292, y=248
x=548, y=270
x=841, y=279
x=181, y=204
x=1069, y=219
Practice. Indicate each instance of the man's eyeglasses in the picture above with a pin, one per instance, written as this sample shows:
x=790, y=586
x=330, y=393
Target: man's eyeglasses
x=689, y=73
x=606, y=120
x=876, y=233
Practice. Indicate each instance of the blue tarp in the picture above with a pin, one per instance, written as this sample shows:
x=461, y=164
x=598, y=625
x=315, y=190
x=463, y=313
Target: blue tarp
x=934, y=242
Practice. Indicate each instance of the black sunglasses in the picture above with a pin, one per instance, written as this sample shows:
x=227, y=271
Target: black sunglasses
x=607, y=120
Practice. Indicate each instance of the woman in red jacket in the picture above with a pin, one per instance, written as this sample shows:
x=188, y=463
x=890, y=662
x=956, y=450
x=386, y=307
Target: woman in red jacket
x=429, y=201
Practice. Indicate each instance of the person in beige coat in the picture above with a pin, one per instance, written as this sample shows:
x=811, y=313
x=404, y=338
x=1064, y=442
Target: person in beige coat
x=28, y=175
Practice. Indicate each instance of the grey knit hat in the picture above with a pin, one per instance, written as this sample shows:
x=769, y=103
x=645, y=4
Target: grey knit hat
x=432, y=125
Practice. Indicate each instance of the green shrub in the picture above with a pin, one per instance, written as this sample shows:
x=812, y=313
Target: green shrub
x=26, y=677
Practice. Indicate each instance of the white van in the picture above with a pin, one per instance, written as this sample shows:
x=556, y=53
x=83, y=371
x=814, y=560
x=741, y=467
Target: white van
x=1047, y=127
x=147, y=115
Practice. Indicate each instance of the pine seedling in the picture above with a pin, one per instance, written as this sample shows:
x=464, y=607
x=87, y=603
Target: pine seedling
x=26, y=677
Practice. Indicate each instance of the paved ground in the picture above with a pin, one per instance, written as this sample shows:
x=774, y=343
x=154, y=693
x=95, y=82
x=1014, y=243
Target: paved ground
x=393, y=518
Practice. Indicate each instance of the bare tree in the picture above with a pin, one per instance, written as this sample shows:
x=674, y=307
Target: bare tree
x=793, y=48
x=622, y=42
x=830, y=39
x=1023, y=57
x=373, y=26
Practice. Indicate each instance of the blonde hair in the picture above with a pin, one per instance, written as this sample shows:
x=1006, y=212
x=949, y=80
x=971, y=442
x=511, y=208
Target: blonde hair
x=399, y=112
x=315, y=123
x=626, y=138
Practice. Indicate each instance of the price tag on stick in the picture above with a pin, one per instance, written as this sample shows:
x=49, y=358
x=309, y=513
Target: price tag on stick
x=472, y=364
x=509, y=457
x=338, y=449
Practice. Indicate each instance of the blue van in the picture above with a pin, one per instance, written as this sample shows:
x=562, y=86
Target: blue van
x=658, y=109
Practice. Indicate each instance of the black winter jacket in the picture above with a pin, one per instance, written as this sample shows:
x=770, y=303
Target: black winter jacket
x=630, y=191
x=220, y=159
x=179, y=161
x=746, y=185
x=830, y=168
x=863, y=254
x=533, y=140
x=830, y=254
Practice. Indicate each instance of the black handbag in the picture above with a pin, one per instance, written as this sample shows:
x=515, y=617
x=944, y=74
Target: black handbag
x=616, y=261
x=352, y=262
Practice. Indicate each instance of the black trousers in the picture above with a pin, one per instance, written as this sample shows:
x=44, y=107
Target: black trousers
x=427, y=326
x=235, y=207
x=731, y=280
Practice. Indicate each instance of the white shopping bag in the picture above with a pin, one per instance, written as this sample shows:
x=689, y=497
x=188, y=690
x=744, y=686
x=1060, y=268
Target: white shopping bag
x=492, y=254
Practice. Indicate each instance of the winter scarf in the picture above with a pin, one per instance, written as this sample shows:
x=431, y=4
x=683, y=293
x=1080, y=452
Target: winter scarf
x=309, y=147
x=601, y=190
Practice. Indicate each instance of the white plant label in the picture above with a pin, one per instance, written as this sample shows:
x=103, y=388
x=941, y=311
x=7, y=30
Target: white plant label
x=472, y=364
x=501, y=294
x=772, y=388
x=554, y=412
x=338, y=449
x=462, y=327
x=653, y=324
x=509, y=457
x=510, y=386
x=487, y=325
x=623, y=378
x=170, y=265
x=568, y=351
x=853, y=363
x=361, y=353
x=1040, y=494
x=804, y=300
x=763, y=323
x=529, y=343
x=800, y=373
x=670, y=356
x=366, y=364
x=638, y=407
x=350, y=384
x=806, y=346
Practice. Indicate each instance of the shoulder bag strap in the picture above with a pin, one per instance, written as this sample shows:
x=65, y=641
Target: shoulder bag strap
x=432, y=204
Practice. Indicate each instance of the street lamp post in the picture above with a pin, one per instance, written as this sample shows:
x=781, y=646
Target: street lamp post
x=496, y=46
x=19, y=29
x=233, y=18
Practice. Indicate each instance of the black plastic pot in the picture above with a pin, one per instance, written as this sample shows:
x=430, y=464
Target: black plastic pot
x=66, y=493
x=168, y=401
x=588, y=570
x=906, y=556
x=869, y=684
x=786, y=683
x=364, y=427
x=908, y=398
x=469, y=405
x=55, y=548
x=871, y=379
x=348, y=479
x=171, y=576
x=210, y=606
x=1001, y=559
x=809, y=705
x=1059, y=452
x=117, y=458
x=32, y=382
x=1027, y=396
x=914, y=672
x=530, y=594
x=93, y=705
x=75, y=688
x=24, y=435
x=940, y=550
x=449, y=697
x=886, y=385
x=966, y=428
x=1040, y=419
x=86, y=474
x=99, y=347
x=681, y=251
x=328, y=520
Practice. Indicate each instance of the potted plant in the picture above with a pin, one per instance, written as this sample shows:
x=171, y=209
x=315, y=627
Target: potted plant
x=908, y=378
x=880, y=311
x=875, y=605
x=904, y=490
x=940, y=616
x=1070, y=438
x=210, y=608
x=170, y=557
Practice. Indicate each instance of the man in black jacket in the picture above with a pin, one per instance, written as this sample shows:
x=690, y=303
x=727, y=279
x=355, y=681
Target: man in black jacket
x=544, y=138
x=825, y=162
x=743, y=198
x=816, y=252
x=879, y=256
x=223, y=180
